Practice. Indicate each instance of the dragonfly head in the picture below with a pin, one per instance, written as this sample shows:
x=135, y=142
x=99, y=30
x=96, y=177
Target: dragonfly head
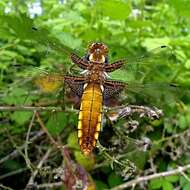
x=98, y=52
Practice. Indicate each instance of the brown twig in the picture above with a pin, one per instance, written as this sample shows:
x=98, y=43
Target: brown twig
x=57, y=145
x=138, y=180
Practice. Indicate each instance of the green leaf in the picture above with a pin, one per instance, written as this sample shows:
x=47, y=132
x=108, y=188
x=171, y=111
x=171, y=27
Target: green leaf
x=72, y=141
x=114, y=179
x=72, y=17
x=87, y=162
x=119, y=10
x=151, y=43
x=9, y=54
x=23, y=27
x=182, y=7
x=183, y=122
x=69, y=40
x=100, y=185
x=187, y=64
x=167, y=185
x=12, y=164
x=18, y=96
x=139, y=23
x=156, y=183
x=21, y=117
x=172, y=178
x=168, y=126
x=183, y=181
x=186, y=186
x=56, y=123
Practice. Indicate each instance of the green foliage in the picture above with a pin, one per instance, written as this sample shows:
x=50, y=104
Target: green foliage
x=167, y=185
x=56, y=123
x=87, y=162
x=100, y=185
x=114, y=180
x=21, y=117
x=33, y=44
x=72, y=141
x=182, y=7
x=156, y=183
x=115, y=9
x=186, y=187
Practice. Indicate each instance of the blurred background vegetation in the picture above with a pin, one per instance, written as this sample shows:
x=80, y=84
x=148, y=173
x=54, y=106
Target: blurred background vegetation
x=36, y=36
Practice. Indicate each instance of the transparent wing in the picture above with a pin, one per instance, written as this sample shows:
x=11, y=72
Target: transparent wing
x=157, y=93
x=151, y=56
x=26, y=77
x=153, y=77
x=158, y=61
x=24, y=28
x=28, y=84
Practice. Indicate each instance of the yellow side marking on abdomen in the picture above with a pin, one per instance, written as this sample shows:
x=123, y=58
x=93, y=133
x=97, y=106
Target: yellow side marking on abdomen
x=90, y=117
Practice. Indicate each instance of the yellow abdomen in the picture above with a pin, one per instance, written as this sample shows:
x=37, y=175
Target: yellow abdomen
x=90, y=117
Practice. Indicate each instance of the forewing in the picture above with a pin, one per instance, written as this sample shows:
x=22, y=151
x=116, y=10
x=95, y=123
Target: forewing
x=24, y=28
x=31, y=84
x=27, y=77
x=158, y=61
x=153, y=77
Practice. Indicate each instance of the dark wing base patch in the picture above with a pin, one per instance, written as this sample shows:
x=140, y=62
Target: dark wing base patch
x=76, y=84
x=112, y=88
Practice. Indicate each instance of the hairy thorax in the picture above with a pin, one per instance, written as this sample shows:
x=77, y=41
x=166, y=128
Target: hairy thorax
x=96, y=73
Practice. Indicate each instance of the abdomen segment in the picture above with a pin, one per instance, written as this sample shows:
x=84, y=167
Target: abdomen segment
x=90, y=117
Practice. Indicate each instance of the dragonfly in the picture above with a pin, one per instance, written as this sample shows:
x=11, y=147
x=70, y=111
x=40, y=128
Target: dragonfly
x=93, y=85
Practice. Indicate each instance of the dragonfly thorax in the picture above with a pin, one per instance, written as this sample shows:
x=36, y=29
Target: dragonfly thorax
x=95, y=72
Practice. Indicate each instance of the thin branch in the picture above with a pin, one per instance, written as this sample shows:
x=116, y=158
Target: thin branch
x=133, y=182
x=29, y=108
x=126, y=111
x=50, y=185
x=13, y=173
x=14, y=144
x=45, y=157
x=34, y=108
x=5, y=187
x=177, y=135
x=28, y=163
x=53, y=141
x=111, y=160
x=15, y=153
